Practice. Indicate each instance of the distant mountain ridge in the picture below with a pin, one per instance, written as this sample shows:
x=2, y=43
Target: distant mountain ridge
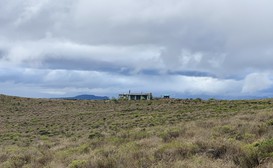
x=86, y=97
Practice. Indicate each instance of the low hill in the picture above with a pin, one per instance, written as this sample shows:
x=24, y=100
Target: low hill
x=119, y=133
x=86, y=97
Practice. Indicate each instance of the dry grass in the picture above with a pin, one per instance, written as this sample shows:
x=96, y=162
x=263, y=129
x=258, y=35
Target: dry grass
x=159, y=133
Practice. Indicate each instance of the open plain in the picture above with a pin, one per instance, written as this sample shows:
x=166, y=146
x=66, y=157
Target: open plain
x=118, y=133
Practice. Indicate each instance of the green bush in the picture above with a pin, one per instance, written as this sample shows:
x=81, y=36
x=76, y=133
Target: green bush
x=95, y=135
x=265, y=148
x=78, y=164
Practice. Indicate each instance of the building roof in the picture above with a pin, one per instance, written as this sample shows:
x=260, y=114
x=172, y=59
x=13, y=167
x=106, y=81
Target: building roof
x=136, y=94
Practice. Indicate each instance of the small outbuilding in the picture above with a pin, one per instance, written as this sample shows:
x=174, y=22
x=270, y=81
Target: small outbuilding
x=166, y=96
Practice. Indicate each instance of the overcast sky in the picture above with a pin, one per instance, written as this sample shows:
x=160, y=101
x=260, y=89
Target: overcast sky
x=185, y=48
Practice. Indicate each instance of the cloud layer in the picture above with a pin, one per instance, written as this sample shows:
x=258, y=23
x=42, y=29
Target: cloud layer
x=182, y=47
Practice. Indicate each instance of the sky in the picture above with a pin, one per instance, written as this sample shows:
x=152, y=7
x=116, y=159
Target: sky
x=184, y=48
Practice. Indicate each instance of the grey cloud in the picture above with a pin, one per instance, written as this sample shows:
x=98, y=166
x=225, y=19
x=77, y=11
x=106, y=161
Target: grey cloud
x=209, y=40
x=24, y=20
x=54, y=54
x=2, y=54
x=251, y=85
x=80, y=64
x=219, y=29
x=18, y=75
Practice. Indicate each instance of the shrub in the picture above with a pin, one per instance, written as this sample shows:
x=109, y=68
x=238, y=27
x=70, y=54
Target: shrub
x=167, y=136
x=3, y=158
x=246, y=156
x=265, y=148
x=45, y=159
x=176, y=150
x=95, y=135
x=44, y=132
x=78, y=164
x=106, y=163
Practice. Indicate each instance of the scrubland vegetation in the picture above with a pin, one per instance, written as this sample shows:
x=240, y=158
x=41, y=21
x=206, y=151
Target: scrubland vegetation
x=116, y=133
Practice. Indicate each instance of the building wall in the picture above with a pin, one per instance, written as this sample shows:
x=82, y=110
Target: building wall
x=136, y=96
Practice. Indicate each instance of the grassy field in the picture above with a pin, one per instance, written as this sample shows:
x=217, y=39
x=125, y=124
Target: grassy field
x=194, y=133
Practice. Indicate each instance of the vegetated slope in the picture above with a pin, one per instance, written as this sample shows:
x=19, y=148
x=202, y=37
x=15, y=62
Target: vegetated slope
x=115, y=133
